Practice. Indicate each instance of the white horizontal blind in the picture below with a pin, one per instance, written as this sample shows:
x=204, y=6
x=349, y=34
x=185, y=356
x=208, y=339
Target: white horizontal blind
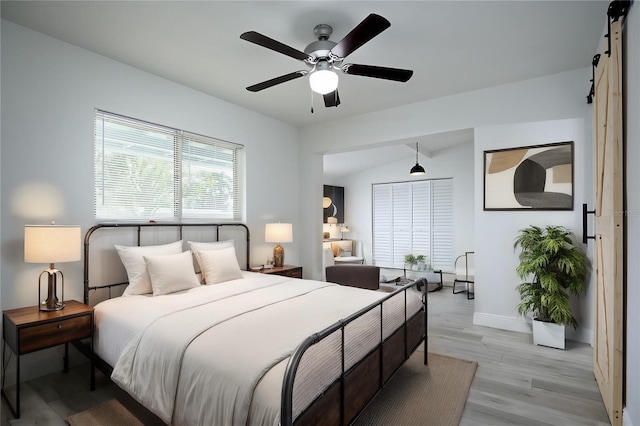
x=413, y=217
x=145, y=171
x=209, y=174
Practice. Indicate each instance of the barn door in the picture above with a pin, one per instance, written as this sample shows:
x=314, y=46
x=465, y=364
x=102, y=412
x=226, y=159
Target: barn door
x=609, y=226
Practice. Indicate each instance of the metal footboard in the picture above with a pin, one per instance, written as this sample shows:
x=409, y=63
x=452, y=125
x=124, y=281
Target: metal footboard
x=286, y=409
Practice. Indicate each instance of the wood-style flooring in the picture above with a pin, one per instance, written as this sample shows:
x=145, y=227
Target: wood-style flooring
x=517, y=383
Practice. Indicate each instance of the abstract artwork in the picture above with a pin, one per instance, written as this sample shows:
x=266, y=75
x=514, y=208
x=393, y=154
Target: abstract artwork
x=536, y=177
x=333, y=204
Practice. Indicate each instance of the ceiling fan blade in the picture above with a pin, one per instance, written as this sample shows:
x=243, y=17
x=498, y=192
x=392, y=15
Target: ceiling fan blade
x=269, y=43
x=277, y=80
x=331, y=99
x=395, y=74
x=370, y=27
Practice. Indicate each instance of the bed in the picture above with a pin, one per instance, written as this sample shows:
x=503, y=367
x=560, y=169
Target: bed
x=254, y=349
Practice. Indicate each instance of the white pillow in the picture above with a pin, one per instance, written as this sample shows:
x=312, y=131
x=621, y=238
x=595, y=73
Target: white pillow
x=171, y=272
x=197, y=246
x=220, y=265
x=133, y=261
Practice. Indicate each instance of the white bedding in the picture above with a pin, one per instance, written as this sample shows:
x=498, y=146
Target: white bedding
x=246, y=329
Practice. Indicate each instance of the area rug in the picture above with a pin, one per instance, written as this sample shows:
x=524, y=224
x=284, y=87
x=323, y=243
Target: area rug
x=415, y=395
x=108, y=413
x=422, y=395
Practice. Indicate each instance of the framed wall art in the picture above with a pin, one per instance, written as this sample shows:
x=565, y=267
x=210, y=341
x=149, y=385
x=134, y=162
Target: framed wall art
x=333, y=204
x=538, y=177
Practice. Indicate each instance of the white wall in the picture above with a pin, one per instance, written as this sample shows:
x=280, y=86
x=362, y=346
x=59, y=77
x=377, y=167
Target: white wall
x=49, y=92
x=631, y=413
x=455, y=162
x=559, y=96
x=496, y=279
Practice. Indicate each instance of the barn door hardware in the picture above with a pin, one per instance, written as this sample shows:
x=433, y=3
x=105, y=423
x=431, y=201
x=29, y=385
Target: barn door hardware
x=585, y=212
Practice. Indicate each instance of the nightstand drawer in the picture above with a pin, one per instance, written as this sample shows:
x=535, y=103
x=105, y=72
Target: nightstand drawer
x=293, y=273
x=53, y=333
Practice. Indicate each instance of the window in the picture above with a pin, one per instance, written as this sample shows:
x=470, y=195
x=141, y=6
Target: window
x=147, y=171
x=413, y=217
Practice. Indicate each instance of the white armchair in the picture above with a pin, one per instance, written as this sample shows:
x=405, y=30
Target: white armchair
x=345, y=251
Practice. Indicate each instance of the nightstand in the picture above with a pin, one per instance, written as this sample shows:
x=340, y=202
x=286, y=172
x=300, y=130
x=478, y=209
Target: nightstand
x=285, y=271
x=27, y=330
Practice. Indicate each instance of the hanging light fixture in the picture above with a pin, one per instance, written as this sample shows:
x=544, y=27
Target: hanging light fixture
x=323, y=79
x=417, y=169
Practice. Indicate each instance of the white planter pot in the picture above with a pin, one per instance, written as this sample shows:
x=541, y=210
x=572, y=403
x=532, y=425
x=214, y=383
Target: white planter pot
x=548, y=334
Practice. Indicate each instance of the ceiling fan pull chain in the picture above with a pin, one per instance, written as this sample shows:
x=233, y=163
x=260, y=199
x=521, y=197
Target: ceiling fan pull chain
x=311, y=101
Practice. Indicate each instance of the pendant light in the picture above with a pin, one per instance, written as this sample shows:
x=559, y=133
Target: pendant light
x=417, y=169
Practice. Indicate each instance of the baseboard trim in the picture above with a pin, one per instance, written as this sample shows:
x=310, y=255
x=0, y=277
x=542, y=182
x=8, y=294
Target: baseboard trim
x=502, y=322
x=522, y=325
x=626, y=418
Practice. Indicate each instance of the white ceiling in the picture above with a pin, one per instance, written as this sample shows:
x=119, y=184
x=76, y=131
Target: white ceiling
x=452, y=46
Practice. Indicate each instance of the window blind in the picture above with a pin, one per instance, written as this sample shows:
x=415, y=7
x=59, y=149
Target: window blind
x=413, y=217
x=149, y=171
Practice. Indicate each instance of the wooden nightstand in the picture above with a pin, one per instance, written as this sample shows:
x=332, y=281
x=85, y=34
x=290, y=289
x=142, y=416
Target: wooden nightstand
x=29, y=329
x=285, y=270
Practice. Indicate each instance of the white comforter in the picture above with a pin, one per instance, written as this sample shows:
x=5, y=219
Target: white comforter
x=216, y=355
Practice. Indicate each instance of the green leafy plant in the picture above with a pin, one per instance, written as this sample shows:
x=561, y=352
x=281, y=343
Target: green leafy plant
x=421, y=258
x=410, y=259
x=550, y=266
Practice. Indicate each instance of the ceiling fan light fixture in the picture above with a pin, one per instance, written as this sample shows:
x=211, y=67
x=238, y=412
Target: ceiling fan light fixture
x=323, y=79
x=417, y=169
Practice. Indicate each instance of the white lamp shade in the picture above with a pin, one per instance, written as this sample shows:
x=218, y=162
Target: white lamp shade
x=323, y=81
x=278, y=233
x=51, y=243
x=326, y=202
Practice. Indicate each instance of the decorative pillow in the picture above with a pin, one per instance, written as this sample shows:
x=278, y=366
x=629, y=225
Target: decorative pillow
x=220, y=265
x=197, y=246
x=172, y=272
x=133, y=260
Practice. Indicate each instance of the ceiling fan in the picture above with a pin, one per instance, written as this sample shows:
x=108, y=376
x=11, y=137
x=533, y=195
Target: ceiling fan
x=324, y=58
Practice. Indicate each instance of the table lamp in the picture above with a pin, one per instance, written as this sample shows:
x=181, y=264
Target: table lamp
x=278, y=233
x=51, y=244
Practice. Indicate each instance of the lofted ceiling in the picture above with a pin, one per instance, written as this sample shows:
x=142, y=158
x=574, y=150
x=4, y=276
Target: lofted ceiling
x=452, y=46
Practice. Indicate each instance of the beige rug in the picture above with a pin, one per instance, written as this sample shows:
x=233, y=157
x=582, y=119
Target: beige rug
x=416, y=395
x=422, y=395
x=108, y=413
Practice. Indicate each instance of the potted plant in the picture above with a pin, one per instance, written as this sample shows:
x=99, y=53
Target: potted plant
x=409, y=261
x=421, y=259
x=551, y=267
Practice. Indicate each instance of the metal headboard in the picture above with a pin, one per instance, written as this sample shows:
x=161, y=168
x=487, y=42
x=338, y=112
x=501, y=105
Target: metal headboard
x=138, y=227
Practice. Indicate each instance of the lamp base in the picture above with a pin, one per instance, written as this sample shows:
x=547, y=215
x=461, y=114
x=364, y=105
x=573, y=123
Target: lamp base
x=278, y=255
x=52, y=303
x=45, y=306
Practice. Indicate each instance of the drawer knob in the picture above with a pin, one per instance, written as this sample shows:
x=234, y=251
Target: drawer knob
x=59, y=325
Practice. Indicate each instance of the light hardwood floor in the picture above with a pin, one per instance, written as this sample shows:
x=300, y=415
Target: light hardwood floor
x=516, y=382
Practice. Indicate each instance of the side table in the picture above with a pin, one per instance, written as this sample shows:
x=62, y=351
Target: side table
x=27, y=330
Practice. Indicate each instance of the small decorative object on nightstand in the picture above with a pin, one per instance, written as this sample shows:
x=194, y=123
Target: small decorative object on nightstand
x=285, y=271
x=27, y=330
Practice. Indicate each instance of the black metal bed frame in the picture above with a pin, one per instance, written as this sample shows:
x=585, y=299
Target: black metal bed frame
x=296, y=357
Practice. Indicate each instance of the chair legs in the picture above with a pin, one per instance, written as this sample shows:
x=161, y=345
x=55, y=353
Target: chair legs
x=468, y=288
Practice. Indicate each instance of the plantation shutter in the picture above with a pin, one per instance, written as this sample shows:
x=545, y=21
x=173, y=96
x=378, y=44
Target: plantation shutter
x=413, y=217
x=421, y=219
x=382, y=219
x=442, y=225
